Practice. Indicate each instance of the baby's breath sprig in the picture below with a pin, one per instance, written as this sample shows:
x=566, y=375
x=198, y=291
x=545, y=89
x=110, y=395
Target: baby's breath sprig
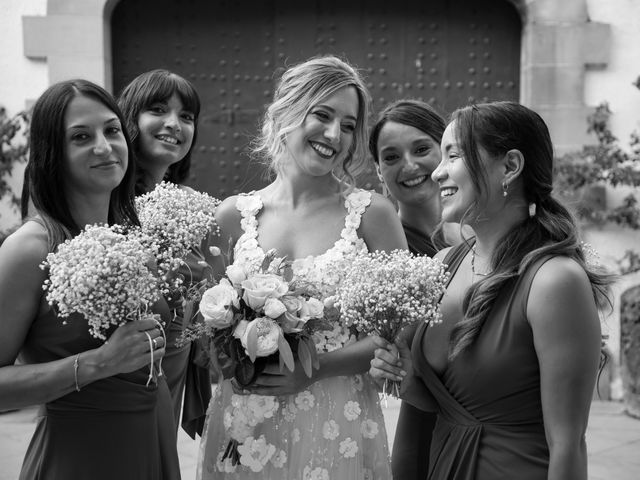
x=102, y=274
x=176, y=220
x=382, y=292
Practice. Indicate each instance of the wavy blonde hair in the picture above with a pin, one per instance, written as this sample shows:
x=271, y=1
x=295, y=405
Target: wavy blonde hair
x=299, y=89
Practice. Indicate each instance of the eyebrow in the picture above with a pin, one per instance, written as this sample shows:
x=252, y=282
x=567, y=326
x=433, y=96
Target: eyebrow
x=351, y=117
x=114, y=119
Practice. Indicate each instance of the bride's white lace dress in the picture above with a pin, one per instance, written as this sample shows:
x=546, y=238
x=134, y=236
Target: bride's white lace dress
x=333, y=430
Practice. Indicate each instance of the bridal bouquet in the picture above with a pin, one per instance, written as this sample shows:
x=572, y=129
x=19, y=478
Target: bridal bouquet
x=253, y=317
x=382, y=293
x=176, y=220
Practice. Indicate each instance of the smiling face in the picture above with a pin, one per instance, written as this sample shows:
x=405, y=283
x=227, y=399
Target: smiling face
x=407, y=157
x=324, y=138
x=95, y=147
x=459, y=194
x=166, y=132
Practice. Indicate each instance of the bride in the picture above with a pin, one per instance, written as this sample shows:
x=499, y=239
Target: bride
x=329, y=426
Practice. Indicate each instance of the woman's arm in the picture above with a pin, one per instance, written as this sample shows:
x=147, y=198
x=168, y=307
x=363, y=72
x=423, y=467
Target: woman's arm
x=566, y=332
x=228, y=219
x=20, y=295
x=380, y=226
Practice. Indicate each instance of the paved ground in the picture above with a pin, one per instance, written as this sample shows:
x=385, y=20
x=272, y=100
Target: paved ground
x=613, y=440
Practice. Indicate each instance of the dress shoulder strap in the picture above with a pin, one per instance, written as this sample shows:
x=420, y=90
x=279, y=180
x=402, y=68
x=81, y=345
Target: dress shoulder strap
x=454, y=257
x=249, y=204
x=355, y=203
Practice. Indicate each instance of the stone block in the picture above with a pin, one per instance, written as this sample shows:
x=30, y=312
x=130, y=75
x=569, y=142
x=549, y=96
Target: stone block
x=553, y=84
x=77, y=7
x=70, y=66
x=597, y=43
x=567, y=126
x=62, y=34
x=552, y=45
x=553, y=11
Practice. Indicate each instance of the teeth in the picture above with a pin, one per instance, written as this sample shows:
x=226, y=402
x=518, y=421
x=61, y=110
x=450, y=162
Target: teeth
x=448, y=191
x=168, y=139
x=321, y=149
x=414, y=181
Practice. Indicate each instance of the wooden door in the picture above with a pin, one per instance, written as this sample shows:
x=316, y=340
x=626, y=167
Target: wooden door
x=446, y=52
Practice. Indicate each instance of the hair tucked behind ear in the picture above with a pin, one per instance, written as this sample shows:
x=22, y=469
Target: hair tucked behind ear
x=499, y=127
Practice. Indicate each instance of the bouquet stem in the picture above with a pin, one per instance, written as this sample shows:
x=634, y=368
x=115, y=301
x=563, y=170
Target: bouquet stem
x=232, y=452
x=390, y=388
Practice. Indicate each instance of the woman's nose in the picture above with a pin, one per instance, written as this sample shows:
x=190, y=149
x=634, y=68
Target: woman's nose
x=102, y=146
x=439, y=173
x=172, y=121
x=332, y=130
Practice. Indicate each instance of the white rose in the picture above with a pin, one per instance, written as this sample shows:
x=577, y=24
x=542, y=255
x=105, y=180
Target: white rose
x=316, y=308
x=290, y=323
x=262, y=286
x=293, y=304
x=329, y=302
x=236, y=274
x=216, y=304
x=273, y=308
x=268, y=332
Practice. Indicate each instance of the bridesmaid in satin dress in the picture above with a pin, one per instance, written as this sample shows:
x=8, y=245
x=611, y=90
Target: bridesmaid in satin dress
x=161, y=110
x=405, y=146
x=98, y=418
x=512, y=367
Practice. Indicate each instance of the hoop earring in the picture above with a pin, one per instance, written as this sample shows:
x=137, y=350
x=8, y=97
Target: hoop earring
x=505, y=188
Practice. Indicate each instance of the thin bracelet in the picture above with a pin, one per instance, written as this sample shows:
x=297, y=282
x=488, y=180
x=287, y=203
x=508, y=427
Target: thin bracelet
x=76, y=364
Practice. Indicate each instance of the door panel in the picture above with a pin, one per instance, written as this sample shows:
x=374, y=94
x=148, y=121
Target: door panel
x=448, y=53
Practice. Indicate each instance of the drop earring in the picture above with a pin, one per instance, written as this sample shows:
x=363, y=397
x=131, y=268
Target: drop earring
x=505, y=188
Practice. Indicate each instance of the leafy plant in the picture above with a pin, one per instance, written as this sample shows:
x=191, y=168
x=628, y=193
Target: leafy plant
x=13, y=149
x=606, y=164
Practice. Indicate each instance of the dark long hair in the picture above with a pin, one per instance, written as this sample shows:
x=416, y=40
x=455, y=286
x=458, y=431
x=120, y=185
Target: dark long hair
x=499, y=127
x=158, y=86
x=45, y=172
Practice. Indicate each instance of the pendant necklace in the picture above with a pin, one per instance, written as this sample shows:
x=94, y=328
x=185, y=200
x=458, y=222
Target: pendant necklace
x=473, y=264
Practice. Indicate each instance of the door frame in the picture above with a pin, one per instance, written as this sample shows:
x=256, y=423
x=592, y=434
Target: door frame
x=558, y=44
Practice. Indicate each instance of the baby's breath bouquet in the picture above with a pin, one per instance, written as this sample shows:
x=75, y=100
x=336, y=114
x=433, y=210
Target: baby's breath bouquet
x=102, y=274
x=382, y=293
x=176, y=219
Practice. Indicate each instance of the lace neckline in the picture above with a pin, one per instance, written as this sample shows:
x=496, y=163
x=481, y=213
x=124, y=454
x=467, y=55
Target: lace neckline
x=356, y=202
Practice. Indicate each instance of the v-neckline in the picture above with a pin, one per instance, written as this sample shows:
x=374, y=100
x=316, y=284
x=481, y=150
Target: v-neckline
x=300, y=259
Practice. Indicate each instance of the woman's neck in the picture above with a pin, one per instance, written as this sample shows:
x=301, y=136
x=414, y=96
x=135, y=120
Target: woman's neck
x=489, y=232
x=151, y=173
x=89, y=209
x=296, y=188
x=423, y=218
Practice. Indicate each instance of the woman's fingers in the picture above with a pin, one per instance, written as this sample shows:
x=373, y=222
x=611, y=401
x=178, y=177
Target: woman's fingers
x=381, y=369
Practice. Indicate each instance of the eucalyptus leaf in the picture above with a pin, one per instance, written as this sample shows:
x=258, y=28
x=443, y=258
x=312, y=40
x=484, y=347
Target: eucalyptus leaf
x=252, y=343
x=305, y=357
x=286, y=355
